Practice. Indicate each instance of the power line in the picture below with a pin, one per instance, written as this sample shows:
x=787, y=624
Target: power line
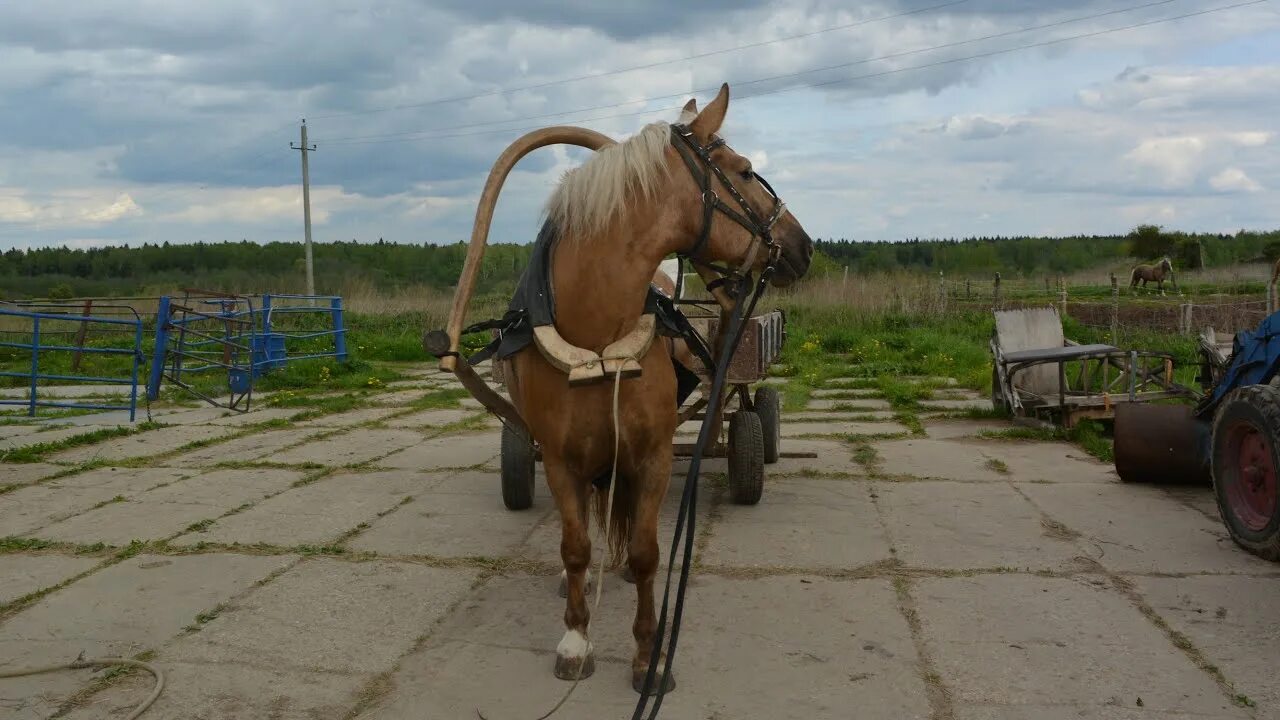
x=423, y=135
x=620, y=71
x=757, y=81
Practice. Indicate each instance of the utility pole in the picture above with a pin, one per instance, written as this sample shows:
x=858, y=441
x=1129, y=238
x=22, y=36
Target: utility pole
x=306, y=203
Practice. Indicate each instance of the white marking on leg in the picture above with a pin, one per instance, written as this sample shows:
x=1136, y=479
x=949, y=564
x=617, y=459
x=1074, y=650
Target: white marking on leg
x=564, y=578
x=573, y=645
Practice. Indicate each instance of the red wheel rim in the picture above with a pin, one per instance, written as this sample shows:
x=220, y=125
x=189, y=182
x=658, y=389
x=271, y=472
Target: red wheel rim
x=1251, y=491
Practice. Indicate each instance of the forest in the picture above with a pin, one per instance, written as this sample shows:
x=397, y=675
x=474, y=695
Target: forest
x=246, y=266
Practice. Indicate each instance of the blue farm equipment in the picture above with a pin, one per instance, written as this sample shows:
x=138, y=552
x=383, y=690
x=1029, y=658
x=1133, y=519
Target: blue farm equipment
x=1230, y=438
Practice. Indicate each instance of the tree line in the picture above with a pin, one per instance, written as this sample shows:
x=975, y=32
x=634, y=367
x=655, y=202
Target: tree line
x=251, y=267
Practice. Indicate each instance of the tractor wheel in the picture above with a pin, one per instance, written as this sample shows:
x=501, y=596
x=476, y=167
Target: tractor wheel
x=1245, y=463
x=769, y=407
x=746, y=458
x=517, y=469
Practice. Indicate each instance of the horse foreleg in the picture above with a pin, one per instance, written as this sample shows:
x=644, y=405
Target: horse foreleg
x=574, y=657
x=642, y=559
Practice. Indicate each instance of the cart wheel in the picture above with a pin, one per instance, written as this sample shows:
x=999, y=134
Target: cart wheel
x=998, y=402
x=1245, y=462
x=769, y=407
x=517, y=469
x=746, y=458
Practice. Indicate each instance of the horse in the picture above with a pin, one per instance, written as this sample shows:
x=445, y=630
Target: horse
x=1146, y=273
x=615, y=218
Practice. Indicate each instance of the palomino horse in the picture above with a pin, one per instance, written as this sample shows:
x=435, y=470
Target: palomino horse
x=1156, y=273
x=616, y=217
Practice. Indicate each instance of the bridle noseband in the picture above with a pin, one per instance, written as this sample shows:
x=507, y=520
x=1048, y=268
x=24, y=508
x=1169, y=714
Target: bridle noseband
x=691, y=151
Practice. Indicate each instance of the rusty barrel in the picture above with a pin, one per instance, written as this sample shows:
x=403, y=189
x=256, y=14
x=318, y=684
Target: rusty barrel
x=1161, y=444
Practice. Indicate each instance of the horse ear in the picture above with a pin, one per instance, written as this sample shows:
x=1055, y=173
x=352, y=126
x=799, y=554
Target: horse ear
x=689, y=112
x=712, y=116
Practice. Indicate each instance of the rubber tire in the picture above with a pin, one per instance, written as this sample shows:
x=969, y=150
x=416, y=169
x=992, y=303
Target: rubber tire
x=768, y=405
x=518, y=469
x=1259, y=406
x=746, y=458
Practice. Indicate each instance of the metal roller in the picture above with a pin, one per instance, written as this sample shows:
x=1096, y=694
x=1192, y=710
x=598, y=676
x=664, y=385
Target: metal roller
x=1163, y=444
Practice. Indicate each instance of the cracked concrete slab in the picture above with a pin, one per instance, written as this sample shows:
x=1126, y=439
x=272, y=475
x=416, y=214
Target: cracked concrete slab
x=444, y=525
x=166, y=511
x=29, y=508
x=350, y=448
x=314, y=514
x=843, y=645
x=447, y=451
x=21, y=575
x=1221, y=616
x=1033, y=644
x=797, y=429
x=952, y=525
x=118, y=611
x=144, y=444
x=1142, y=529
x=801, y=522
x=258, y=446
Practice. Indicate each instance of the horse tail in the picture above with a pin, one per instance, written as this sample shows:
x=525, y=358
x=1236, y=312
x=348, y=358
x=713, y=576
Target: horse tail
x=620, y=519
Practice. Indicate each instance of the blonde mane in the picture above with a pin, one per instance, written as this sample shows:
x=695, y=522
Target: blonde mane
x=590, y=196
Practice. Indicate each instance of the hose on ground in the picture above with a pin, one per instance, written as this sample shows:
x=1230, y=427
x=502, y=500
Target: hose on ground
x=80, y=663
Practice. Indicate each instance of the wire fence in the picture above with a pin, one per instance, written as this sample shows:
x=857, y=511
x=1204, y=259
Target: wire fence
x=1119, y=309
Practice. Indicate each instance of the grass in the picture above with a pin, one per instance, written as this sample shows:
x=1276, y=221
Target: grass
x=440, y=399
x=38, y=451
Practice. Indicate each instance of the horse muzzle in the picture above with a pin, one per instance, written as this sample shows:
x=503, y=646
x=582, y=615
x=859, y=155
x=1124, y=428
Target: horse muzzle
x=795, y=254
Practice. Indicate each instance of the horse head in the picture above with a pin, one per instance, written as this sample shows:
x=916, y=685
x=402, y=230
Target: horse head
x=725, y=205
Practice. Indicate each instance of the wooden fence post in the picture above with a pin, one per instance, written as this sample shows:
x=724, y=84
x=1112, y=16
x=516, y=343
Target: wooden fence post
x=80, y=333
x=1062, y=290
x=942, y=292
x=1186, y=319
x=1115, y=309
x=996, y=301
x=968, y=294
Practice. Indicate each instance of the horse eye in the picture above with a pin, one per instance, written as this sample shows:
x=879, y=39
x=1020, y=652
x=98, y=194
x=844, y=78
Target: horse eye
x=748, y=174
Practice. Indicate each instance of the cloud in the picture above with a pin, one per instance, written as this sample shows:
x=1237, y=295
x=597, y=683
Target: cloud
x=1170, y=162
x=1234, y=180
x=73, y=210
x=188, y=109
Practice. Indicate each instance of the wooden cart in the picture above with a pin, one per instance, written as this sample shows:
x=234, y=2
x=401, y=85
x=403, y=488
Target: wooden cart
x=1040, y=375
x=749, y=431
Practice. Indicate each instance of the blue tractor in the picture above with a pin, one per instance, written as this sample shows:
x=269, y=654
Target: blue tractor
x=1230, y=438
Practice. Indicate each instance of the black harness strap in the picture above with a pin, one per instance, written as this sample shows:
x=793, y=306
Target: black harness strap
x=740, y=287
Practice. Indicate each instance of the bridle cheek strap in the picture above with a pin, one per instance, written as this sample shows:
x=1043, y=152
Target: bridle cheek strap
x=698, y=159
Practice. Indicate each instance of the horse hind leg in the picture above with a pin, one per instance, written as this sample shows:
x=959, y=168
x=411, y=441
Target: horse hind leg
x=642, y=560
x=574, y=655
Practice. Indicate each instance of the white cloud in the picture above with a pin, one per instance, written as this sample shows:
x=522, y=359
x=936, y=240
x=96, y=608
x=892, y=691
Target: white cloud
x=73, y=209
x=1172, y=162
x=1234, y=180
x=977, y=127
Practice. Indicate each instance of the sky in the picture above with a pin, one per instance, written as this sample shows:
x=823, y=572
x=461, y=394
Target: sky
x=171, y=120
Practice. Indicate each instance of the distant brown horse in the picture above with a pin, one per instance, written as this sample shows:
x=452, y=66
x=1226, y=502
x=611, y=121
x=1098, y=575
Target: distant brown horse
x=615, y=218
x=1156, y=273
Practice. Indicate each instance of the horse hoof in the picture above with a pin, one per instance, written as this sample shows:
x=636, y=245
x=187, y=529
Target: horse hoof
x=568, y=668
x=667, y=683
x=564, y=584
x=574, y=657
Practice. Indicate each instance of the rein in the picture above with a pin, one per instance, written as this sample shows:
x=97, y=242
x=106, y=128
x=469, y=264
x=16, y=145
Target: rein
x=761, y=230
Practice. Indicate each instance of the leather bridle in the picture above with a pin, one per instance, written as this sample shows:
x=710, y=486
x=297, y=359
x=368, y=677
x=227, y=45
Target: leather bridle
x=697, y=157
